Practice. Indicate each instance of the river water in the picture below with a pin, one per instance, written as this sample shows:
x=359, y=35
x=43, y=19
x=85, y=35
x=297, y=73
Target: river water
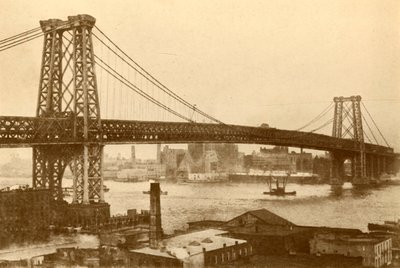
x=314, y=205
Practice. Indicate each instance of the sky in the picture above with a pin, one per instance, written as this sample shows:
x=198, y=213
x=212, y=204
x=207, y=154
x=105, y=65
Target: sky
x=279, y=62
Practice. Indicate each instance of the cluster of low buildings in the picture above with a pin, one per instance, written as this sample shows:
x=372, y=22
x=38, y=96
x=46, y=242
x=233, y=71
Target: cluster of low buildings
x=207, y=162
x=198, y=161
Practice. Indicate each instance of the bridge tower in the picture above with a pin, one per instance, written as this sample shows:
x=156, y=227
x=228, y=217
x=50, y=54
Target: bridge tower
x=68, y=91
x=349, y=108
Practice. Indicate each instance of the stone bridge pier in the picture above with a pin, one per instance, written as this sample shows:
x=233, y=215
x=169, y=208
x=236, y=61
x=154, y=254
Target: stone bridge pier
x=361, y=174
x=378, y=166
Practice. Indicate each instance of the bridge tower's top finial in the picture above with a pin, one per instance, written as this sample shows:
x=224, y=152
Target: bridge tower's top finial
x=351, y=98
x=73, y=21
x=82, y=20
x=50, y=24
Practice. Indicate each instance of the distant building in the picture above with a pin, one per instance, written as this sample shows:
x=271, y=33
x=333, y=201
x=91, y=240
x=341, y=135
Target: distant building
x=214, y=156
x=25, y=214
x=198, y=249
x=279, y=158
x=172, y=159
x=207, y=177
x=142, y=171
x=375, y=252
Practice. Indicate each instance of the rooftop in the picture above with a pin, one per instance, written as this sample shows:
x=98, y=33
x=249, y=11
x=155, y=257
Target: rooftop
x=266, y=217
x=352, y=239
x=186, y=245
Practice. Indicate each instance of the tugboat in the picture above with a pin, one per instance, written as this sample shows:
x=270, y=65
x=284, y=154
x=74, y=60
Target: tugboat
x=280, y=187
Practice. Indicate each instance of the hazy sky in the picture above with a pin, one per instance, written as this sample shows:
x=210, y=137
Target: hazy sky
x=237, y=60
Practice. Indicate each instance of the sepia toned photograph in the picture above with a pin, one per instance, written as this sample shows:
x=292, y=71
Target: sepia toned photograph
x=173, y=133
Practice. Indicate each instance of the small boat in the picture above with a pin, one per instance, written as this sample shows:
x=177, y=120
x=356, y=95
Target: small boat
x=280, y=186
x=280, y=192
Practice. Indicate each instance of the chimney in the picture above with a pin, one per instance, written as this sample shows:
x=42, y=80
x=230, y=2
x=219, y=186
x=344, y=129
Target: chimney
x=158, y=153
x=155, y=230
x=133, y=154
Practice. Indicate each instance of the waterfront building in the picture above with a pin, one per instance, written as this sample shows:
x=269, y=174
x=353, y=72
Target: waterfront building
x=375, y=251
x=269, y=233
x=207, y=177
x=215, y=156
x=142, y=170
x=279, y=158
x=25, y=214
x=172, y=159
x=197, y=249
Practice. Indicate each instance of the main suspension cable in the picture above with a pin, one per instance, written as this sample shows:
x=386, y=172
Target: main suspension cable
x=373, y=121
x=153, y=80
x=5, y=40
x=319, y=116
x=25, y=37
x=127, y=83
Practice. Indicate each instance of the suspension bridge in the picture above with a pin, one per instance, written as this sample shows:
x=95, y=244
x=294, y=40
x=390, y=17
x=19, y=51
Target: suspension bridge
x=76, y=84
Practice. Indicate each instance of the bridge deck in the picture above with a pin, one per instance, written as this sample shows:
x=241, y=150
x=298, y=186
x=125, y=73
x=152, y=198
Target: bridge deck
x=29, y=131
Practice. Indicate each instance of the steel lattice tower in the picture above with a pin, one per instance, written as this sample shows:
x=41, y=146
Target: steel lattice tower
x=353, y=113
x=68, y=90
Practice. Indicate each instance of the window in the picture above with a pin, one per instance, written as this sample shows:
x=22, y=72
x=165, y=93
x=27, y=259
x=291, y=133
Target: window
x=222, y=257
x=215, y=259
x=245, y=251
x=228, y=256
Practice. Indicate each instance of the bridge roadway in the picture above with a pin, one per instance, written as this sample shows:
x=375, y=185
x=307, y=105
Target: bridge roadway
x=17, y=131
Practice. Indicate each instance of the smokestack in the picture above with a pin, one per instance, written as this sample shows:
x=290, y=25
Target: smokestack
x=133, y=154
x=159, y=153
x=155, y=231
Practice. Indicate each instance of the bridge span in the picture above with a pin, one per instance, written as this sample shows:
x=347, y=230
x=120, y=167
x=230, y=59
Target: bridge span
x=17, y=131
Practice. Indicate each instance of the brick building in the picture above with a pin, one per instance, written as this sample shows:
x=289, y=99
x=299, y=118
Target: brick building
x=375, y=252
x=197, y=249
